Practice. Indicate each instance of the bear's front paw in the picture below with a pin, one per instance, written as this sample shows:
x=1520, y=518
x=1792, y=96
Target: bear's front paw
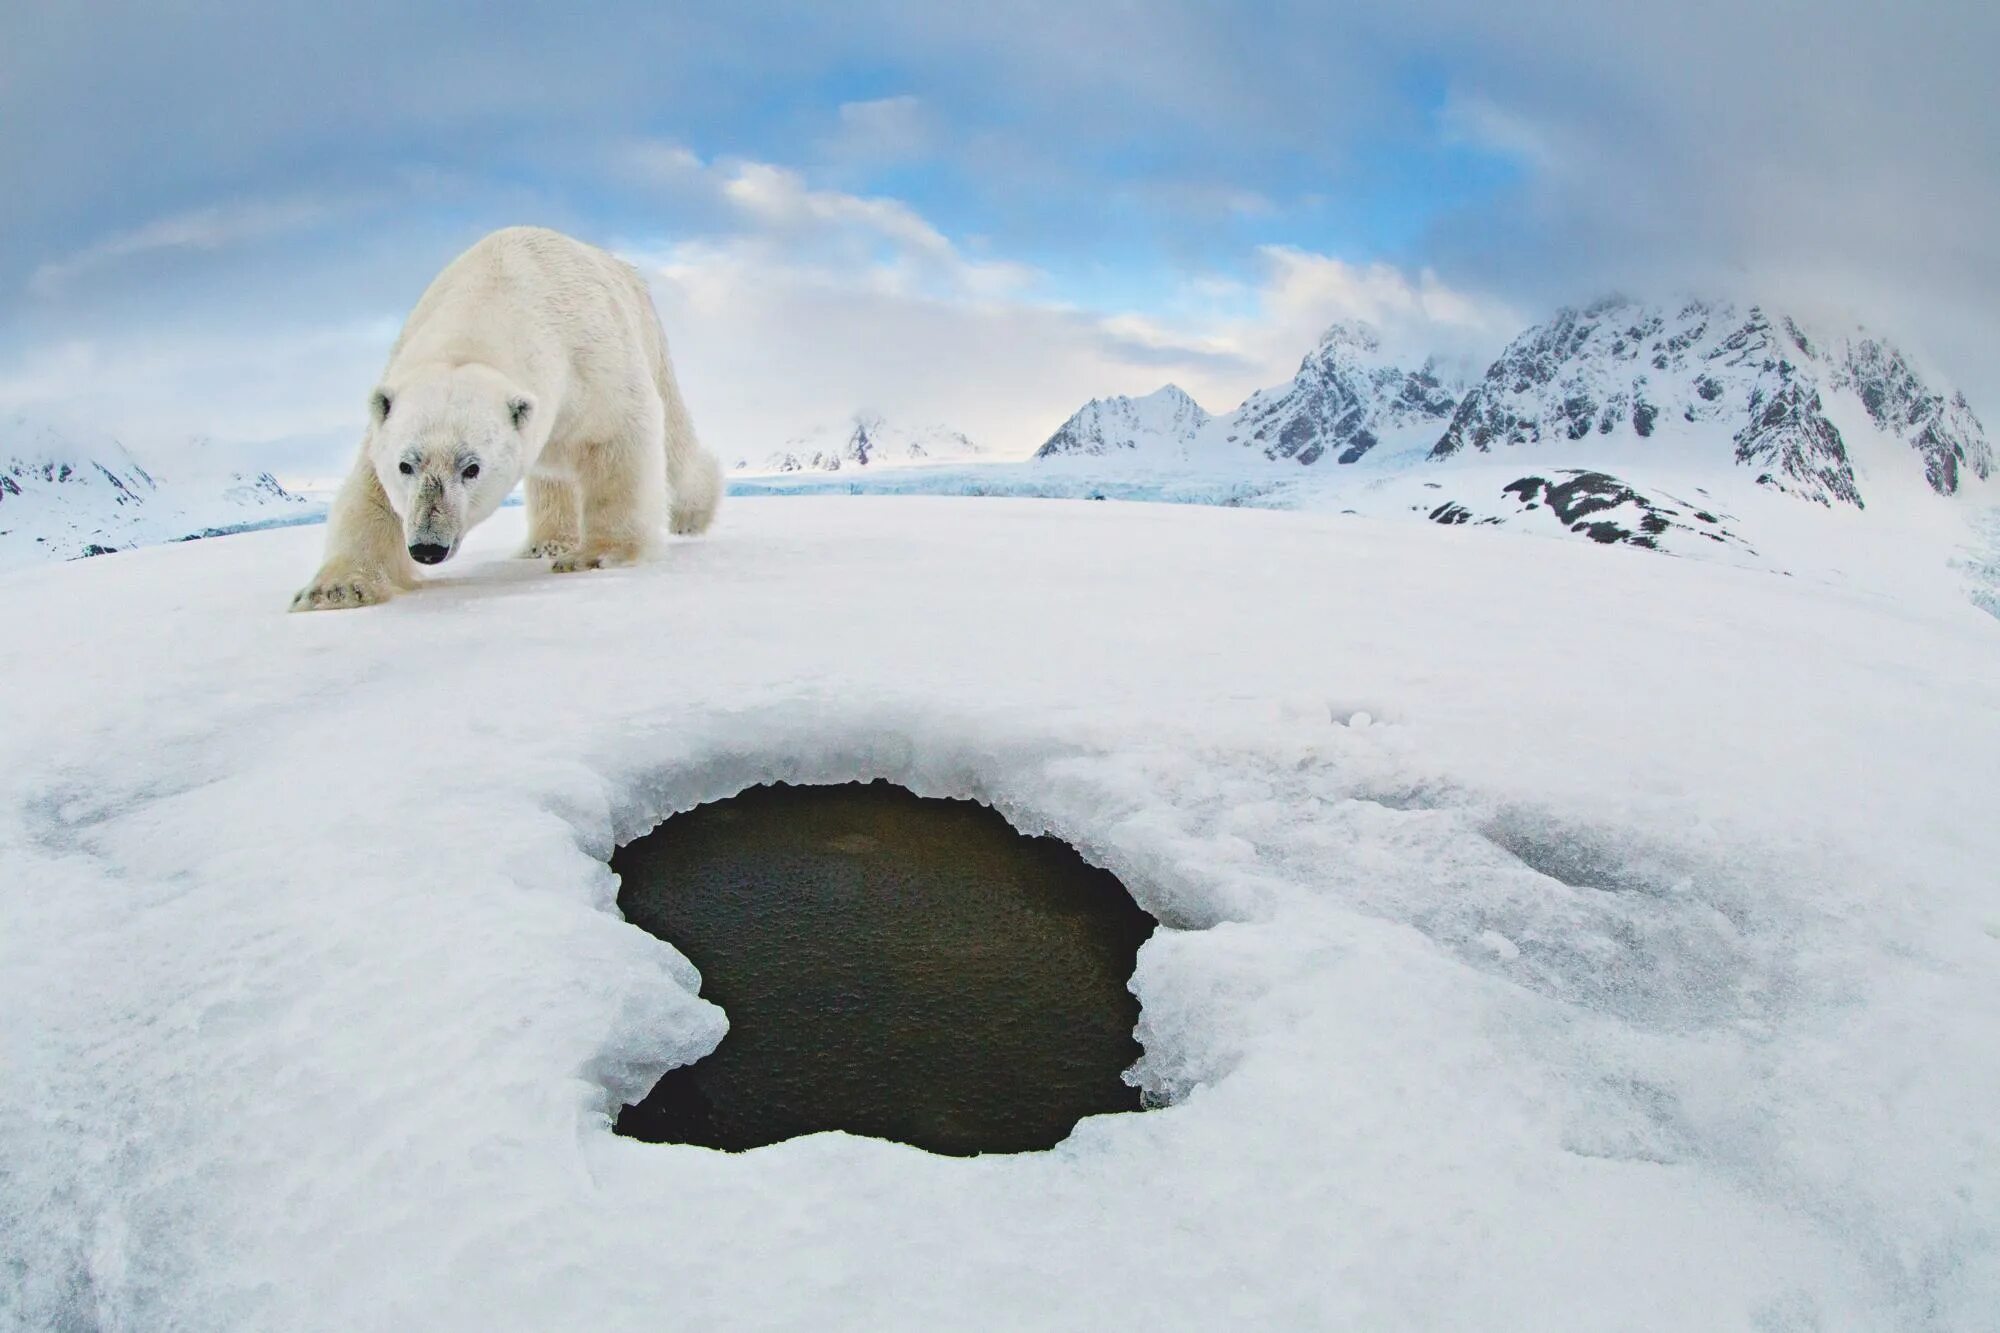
x=604, y=555
x=343, y=589
x=549, y=548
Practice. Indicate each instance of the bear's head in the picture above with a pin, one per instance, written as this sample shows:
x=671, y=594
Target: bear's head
x=447, y=449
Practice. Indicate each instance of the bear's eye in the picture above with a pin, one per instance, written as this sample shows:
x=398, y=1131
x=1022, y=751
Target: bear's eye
x=406, y=469
x=471, y=471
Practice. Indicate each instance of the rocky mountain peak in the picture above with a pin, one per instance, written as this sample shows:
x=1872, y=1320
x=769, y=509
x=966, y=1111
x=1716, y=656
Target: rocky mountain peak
x=1346, y=396
x=1346, y=337
x=1167, y=418
x=1618, y=367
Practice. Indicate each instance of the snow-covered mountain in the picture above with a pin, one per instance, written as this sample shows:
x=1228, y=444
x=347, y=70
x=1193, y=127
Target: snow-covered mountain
x=1692, y=429
x=1785, y=405
x=866, y=440
x=1708, y=388
x=1346, y=398
x=1166, y=421
x=68, y=492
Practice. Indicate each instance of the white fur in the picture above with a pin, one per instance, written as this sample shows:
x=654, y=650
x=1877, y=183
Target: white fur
x=532, y=355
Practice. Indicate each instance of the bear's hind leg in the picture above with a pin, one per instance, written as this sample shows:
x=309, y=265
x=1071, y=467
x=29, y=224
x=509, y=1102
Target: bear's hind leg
x=623, y=491
x=694, y=480
x=553, y=519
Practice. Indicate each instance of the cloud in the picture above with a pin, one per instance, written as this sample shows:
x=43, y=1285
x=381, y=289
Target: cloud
x=771, y=339
x=1175, y=190
x=657, y=163
x=805, y=303
x=302, y=385
x=1304, y=292
x=779, y=199
x=1469, y=118
x=881, y=131
x=211, y=228
x=1835, y=153
x=790, y=306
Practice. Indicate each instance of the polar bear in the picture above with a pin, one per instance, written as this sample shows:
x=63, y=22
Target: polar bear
x=532, y=355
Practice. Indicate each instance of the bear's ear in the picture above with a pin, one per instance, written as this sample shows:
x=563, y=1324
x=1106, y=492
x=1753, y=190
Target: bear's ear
x=520, y=407
x=379, y=404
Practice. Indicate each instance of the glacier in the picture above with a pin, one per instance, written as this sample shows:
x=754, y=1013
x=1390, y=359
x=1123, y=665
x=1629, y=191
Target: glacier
x=1554, y=936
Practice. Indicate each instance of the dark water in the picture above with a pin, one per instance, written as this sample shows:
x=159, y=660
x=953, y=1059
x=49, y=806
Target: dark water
x=892, y=966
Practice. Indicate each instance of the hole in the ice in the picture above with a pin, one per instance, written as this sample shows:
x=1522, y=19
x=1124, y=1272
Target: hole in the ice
x=892, y=966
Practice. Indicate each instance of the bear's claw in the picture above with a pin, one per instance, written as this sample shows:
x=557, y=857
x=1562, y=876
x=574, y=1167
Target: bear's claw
x=342, y=593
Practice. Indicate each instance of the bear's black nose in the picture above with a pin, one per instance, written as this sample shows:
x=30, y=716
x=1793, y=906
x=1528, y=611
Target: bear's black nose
x=428, y=553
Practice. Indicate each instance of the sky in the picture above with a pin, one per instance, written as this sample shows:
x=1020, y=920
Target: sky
x=213, y=217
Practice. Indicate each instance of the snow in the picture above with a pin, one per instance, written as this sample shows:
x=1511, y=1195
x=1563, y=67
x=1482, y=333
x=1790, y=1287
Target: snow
x=1979, y=562
x=1908, y=538
x=1556, y=936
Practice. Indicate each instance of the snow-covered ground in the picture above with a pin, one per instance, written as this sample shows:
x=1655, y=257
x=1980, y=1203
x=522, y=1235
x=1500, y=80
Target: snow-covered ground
x=1909, y=537
x=1557, y=936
